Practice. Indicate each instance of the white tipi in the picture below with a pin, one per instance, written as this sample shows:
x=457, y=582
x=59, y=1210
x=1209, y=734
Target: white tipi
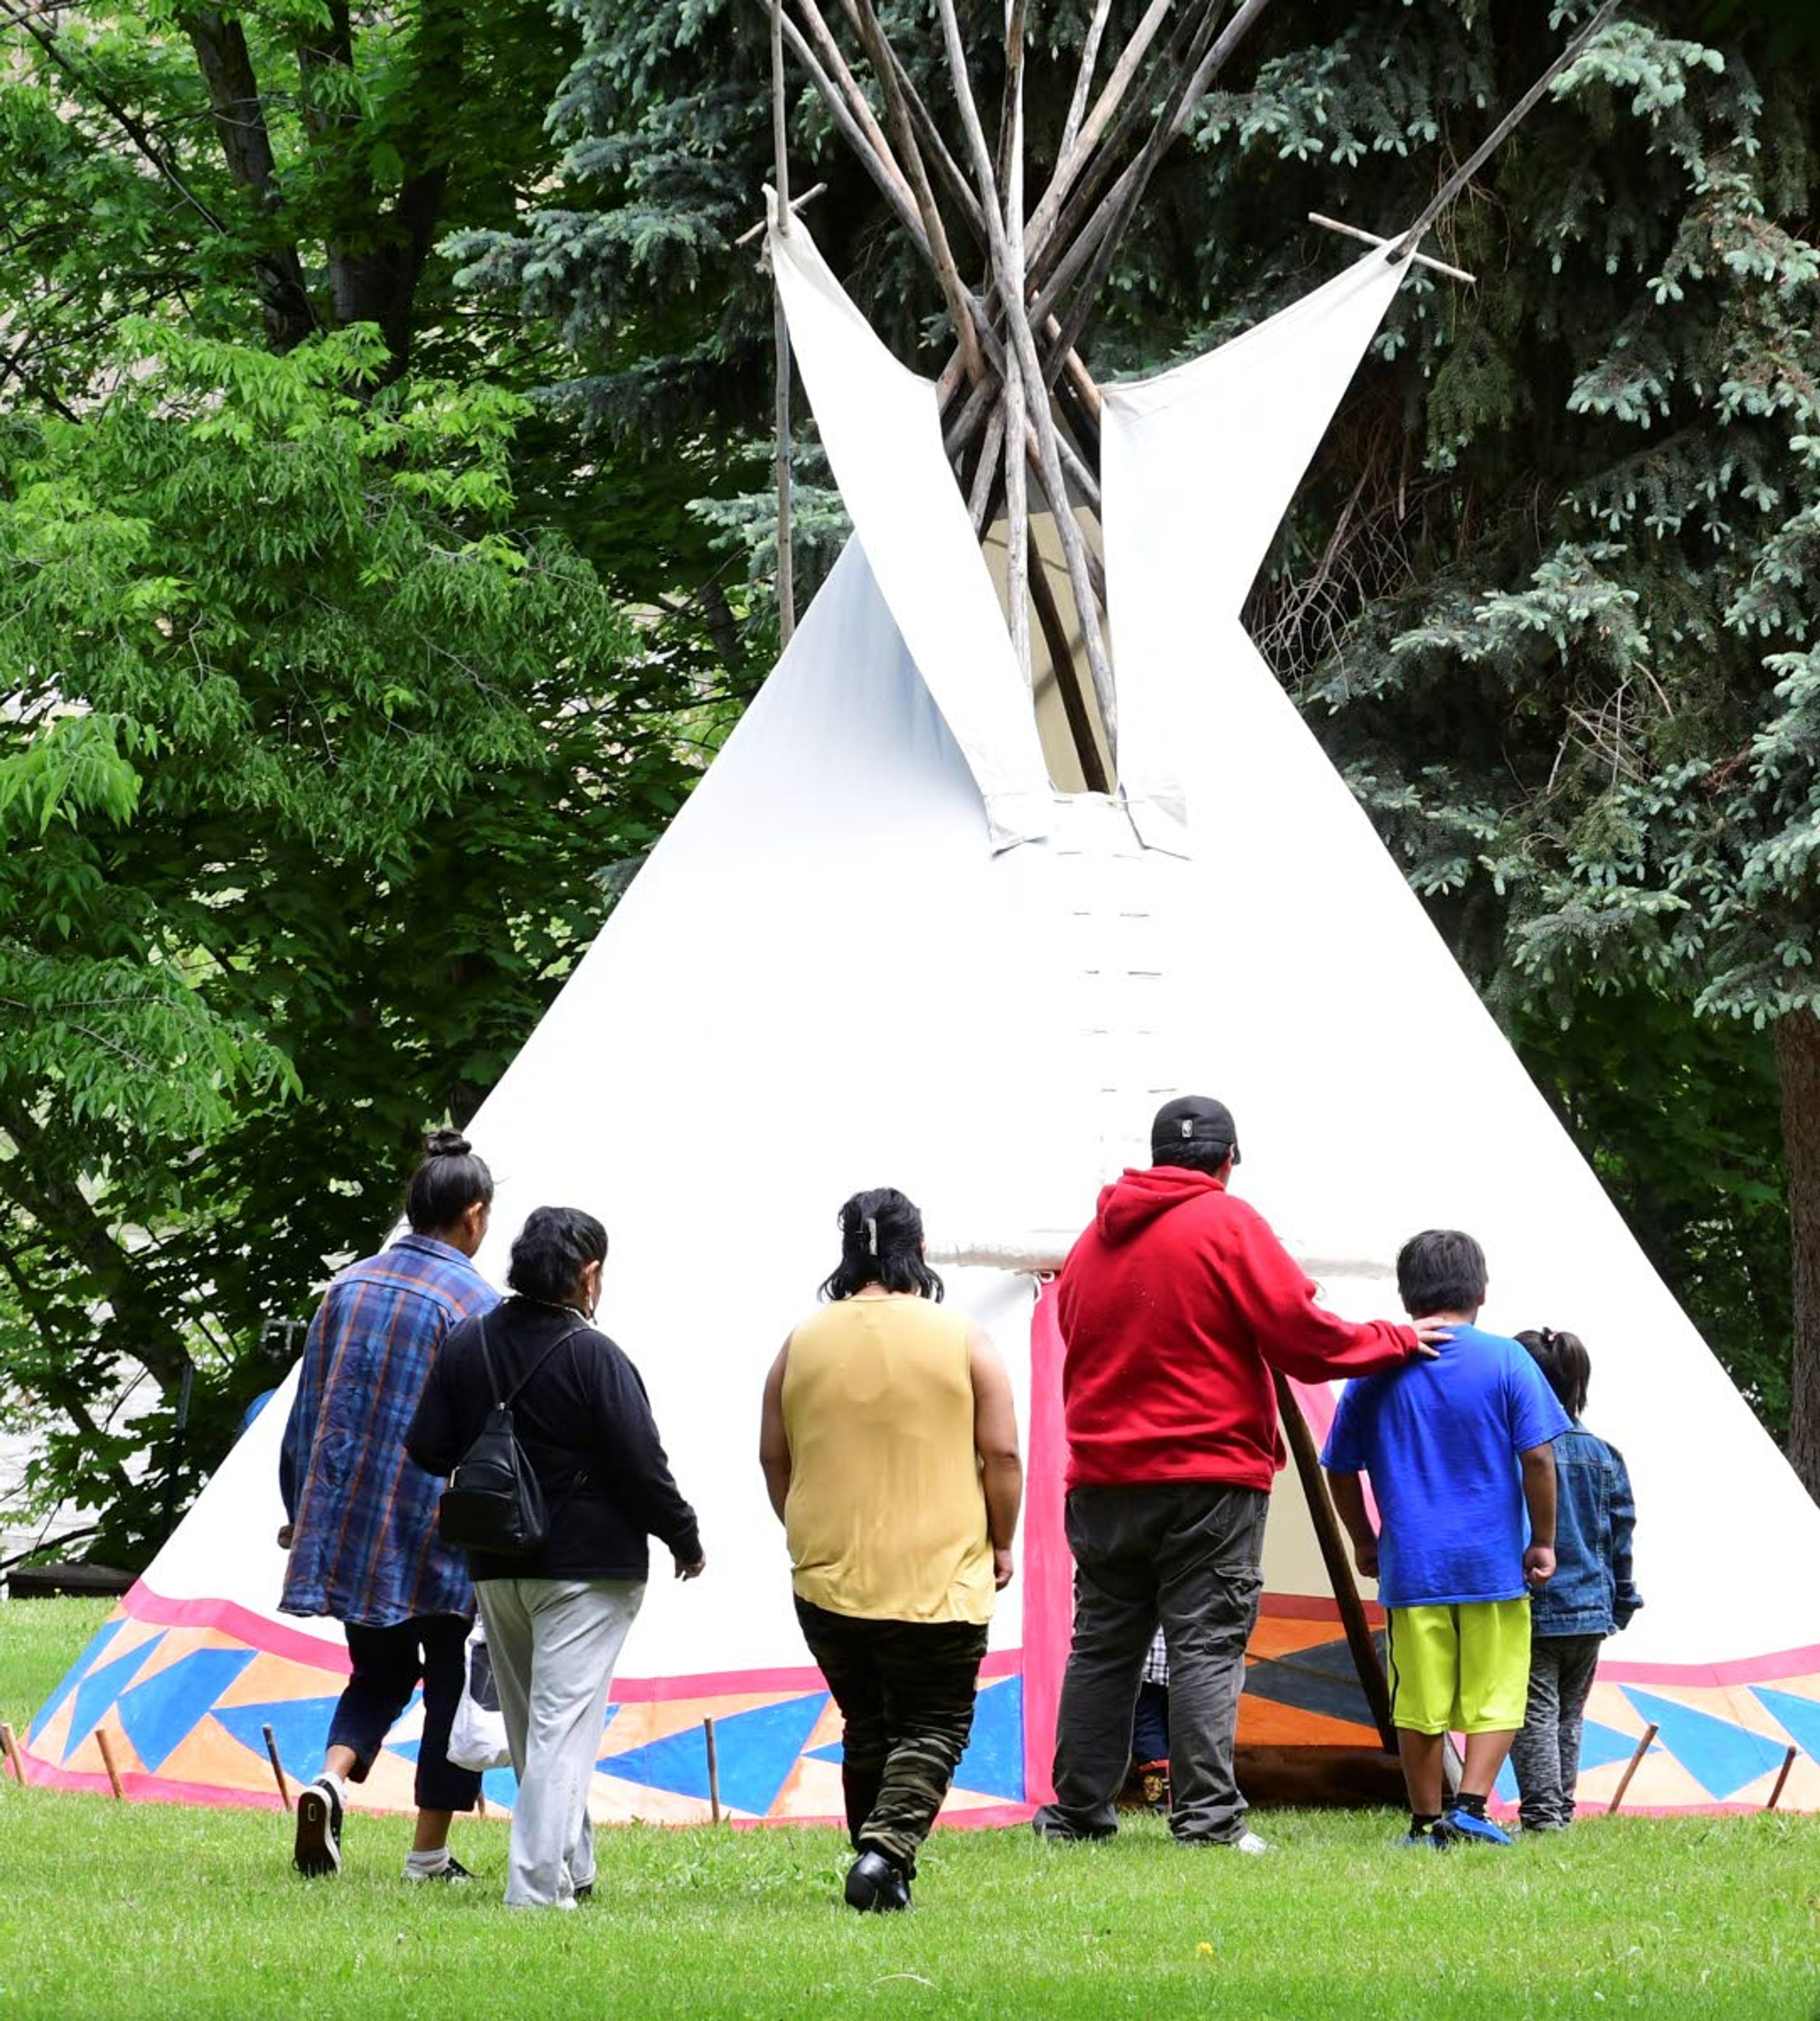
x=878, y=946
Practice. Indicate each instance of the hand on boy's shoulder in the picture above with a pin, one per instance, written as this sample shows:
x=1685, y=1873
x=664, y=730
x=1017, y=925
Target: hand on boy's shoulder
x=1430, y=1335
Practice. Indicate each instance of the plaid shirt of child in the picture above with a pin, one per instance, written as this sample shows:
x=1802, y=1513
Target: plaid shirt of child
x=364, y=1547
x=1156, y=1663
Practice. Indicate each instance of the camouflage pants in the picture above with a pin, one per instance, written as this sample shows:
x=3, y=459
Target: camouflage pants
x=905, y=1690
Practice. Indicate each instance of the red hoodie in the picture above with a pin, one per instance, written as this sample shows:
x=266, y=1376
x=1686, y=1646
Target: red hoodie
x=1175, y=1306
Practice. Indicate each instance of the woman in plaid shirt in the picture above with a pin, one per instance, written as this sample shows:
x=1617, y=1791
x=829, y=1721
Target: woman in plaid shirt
x=364, y=1549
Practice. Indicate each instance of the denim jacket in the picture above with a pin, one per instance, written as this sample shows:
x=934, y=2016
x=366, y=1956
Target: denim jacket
x=1592, y=1592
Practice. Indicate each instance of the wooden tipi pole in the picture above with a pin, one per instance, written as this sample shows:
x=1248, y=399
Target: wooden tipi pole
x=1024, y=360
x=786, y=556
x=1017, y=493
x=1499, y=134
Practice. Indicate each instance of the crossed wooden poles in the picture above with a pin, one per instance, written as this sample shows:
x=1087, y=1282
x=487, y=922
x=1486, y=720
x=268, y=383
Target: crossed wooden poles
x=1021, y=409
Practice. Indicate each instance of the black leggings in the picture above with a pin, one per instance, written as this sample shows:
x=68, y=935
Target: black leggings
x=387, y=1665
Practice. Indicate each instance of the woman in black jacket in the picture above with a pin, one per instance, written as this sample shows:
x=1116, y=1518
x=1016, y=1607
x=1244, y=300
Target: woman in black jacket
x=556, y=1617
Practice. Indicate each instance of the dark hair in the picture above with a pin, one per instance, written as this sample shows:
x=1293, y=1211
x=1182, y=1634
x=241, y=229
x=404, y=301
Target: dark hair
x=447, y=1183
x=1562, y=1358
x=552, y=1249
x=1440, y=1271
x=881, y=1243
x=1196, y=1157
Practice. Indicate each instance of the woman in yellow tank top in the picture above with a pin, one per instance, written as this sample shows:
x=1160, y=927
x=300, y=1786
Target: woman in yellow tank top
x=890, y=1446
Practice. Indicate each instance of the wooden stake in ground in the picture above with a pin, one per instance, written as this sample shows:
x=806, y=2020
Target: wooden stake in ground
x=10, y=1744
x=284, y=1788
x=1636, y=1762
x=713, y=1771
x=107, y=1762
x=1782, y=1779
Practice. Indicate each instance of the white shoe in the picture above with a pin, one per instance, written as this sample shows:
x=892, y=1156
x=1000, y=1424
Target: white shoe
x=1248, y=1842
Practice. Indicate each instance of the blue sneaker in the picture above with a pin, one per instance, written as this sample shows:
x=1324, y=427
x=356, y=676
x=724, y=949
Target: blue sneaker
x=1425, y=1841
x=1471, y=1830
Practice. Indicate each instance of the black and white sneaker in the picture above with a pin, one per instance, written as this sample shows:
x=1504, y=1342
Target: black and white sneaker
x=318, y=1846
x=451, y=1870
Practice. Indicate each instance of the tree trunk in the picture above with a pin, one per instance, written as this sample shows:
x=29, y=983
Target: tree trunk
x=226, y=65
x=1798, y=1066
x=141, y=1328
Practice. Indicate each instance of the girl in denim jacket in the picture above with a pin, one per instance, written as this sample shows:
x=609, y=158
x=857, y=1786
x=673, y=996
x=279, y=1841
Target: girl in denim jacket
x=1590, y=1597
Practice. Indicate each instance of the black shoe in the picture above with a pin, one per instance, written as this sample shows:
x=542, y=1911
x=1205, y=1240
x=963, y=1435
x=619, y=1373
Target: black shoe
x=1048, y=1823
x=319, y=1843
x=873, y=1882
x=585, y=1892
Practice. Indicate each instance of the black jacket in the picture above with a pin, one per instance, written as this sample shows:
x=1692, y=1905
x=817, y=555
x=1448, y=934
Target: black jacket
x=585, y=1426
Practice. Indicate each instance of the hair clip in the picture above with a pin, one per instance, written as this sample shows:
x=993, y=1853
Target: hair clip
x=871, y=1228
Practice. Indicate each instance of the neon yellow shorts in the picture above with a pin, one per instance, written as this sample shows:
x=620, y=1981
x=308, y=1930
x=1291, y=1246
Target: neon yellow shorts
x=1459, y=1670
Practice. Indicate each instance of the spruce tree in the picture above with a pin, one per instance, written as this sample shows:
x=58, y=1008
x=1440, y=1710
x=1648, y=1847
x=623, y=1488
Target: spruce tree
x=1549, y=597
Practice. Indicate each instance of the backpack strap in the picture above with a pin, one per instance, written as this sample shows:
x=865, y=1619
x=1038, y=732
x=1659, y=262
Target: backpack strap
x=511, y=1397
x=487, y=1361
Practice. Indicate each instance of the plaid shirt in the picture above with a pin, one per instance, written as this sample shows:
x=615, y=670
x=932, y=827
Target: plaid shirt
x=1156, y=1663
x=364, y=1547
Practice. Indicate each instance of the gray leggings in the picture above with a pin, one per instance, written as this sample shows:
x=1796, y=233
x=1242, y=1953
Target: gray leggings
x=1546, y=1753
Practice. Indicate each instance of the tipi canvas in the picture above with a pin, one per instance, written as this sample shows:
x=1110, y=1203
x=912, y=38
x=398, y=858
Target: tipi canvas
x=877, y=948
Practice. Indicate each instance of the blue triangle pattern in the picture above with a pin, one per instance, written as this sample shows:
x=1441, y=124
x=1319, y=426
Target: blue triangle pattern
x=300, y=1728
x=612, y=1711
x=1600, y=1746
x=993, y=1764
x=100, y=1688
x=500, y=1786
x=77, y=1671
x=756, y=1750
x=1721, y=1756
x=1798, y=1717
x=159, y=1715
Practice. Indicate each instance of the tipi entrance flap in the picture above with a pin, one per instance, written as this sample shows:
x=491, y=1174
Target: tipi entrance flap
x=881, y=425
x=1198, y=466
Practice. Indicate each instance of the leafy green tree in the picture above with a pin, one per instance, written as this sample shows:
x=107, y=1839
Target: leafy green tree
x=273, y=170
x=1547, y=596
x=307, y=778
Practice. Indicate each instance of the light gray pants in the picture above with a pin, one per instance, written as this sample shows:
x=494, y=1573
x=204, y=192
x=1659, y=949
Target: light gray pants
x=1546, y=1754
x=554, y=1643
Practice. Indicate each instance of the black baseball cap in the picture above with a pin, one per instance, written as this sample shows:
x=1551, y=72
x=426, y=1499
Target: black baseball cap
x=1192, y=1119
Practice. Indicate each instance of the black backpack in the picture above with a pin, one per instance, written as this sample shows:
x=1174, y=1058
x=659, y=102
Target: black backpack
x=493, y=1503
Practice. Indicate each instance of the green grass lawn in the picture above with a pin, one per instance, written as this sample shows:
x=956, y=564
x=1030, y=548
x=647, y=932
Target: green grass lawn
x=131, y=1908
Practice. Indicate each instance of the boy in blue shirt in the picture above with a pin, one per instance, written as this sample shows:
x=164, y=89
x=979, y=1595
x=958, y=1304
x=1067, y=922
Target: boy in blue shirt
x=1458, y=1452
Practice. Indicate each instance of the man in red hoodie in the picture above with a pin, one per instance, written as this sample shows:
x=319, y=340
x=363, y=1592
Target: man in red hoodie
x=1175, y=1306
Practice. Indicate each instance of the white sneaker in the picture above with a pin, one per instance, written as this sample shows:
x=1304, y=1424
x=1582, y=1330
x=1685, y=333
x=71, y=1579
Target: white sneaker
x=1248, y=1842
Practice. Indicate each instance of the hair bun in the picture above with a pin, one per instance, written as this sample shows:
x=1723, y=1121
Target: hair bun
x=446, y=1144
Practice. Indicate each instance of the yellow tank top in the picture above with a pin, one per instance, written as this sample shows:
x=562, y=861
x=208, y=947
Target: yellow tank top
x=885, y=1518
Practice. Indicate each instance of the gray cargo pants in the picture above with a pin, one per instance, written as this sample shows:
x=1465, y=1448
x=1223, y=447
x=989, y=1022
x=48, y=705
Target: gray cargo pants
x=1187, y=1554
x=553, y=1643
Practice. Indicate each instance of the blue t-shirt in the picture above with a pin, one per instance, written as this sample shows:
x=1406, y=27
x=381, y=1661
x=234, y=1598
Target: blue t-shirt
x=1440, y=1439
